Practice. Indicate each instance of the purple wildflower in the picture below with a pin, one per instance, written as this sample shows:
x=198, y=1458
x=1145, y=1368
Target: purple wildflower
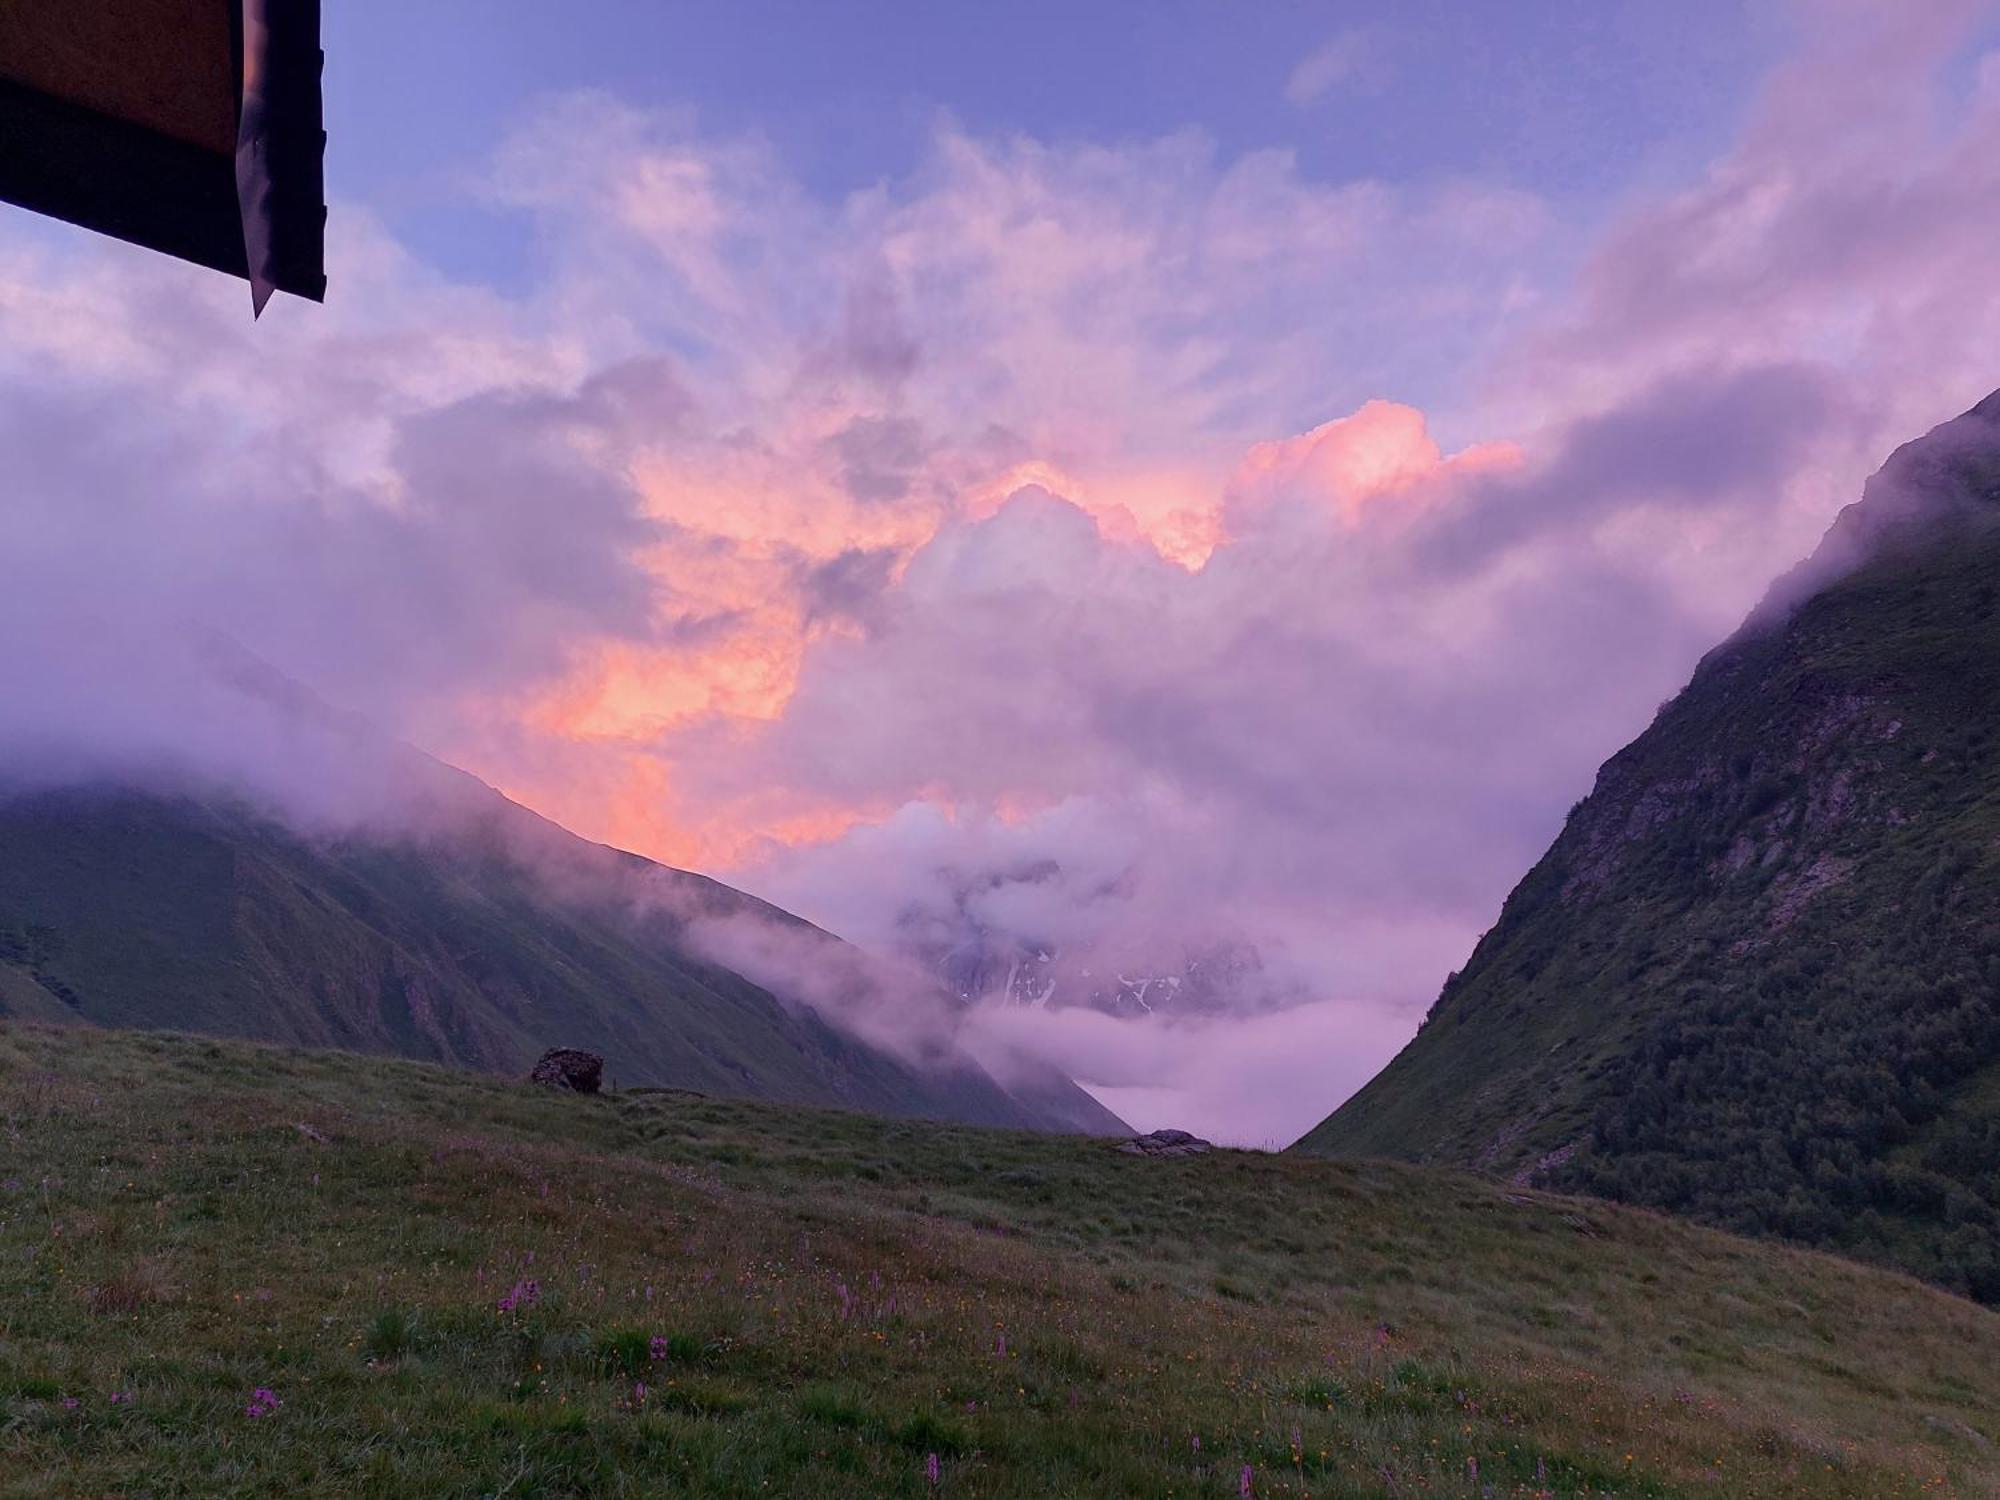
x=657, y=1348
x=525, y=1293
x=638, y=1391
x=70, y=1403
x=1197, y=1442
x=263, y=1402
x=120, y=1398
x=1243, y=1483
x=931, y=1470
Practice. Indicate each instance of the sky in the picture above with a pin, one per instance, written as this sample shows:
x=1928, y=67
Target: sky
x=1154, y=480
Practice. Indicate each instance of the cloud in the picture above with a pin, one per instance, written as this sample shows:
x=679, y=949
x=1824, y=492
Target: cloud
x=1381, y=455
x=377, y=514
x=1255, y=1081
x=1029, y=544
x=1715, y=439
x=1346, y=57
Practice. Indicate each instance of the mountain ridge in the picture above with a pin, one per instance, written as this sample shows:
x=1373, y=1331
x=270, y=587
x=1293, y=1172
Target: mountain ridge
x=477, y=933
x=1754, y=978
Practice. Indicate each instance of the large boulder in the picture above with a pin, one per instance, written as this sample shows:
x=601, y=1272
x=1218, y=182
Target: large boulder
x=569, y=1068
x=1165, y=1143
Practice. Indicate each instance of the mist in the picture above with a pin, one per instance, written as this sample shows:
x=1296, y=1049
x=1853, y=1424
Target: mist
x=1025, y=553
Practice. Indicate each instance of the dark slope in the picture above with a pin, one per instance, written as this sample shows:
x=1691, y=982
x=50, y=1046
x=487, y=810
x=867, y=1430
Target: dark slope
x=1757, y=978
x=480, y=942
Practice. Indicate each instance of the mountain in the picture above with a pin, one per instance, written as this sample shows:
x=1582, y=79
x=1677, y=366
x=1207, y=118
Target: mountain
x=1756, y=980
x=988, y=966
x=478, y=934
x=982, y=962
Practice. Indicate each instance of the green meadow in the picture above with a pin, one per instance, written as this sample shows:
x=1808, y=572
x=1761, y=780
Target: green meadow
x=234, y=1270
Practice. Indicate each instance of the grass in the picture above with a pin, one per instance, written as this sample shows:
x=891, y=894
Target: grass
x=444, y=1284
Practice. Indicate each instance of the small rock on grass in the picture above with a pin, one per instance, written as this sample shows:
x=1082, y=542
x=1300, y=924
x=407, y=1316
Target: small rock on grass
x=569, y=1068
x=1165, y=1143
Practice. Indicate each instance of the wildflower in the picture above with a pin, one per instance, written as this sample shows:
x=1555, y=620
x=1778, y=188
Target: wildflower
x=638, y=1391
x=70, y=1403
x=931, y=1470
x=524, y=1293
x=263, y=1402
x=657, y=1348
x=1243, y=1483
x=120, y=1398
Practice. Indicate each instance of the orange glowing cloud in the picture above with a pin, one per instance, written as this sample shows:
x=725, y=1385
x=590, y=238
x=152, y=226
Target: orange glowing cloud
x=745, y=527
x=1172, y=510
x=1354, y=464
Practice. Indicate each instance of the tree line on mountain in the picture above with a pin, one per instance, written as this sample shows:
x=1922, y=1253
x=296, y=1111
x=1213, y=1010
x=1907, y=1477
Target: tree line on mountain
x=1819, y=1098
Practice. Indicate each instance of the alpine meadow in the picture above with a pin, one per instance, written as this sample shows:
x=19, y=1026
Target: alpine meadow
x=1145, y=750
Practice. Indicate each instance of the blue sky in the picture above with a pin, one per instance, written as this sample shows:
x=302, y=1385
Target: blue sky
x=1583, y=102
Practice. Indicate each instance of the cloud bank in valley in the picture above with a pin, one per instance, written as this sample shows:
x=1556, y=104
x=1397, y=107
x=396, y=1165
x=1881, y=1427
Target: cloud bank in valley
x=1043, y=543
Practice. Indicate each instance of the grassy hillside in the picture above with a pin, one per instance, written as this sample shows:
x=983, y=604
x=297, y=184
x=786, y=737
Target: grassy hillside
x=443, y=1284
x=1757, y=978
x=483, y=942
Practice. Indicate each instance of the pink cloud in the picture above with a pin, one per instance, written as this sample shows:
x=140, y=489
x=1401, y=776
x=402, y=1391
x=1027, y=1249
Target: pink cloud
x=1025, y=543
x=1344, y=58
x=1382, y=453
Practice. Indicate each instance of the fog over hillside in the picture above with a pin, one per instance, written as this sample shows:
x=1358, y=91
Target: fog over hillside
x=1038, y=506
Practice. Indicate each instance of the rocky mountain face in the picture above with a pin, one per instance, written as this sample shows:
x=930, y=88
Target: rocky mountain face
x=980, y=960
x=998, y=966
x=1757, y=977
x=481, y=935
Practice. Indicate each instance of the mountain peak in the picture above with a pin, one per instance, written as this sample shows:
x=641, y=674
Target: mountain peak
x=1951, y=472
x=1942, y=484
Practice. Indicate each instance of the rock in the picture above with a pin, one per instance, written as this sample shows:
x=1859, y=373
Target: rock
x=569, y=1068
x=1166, y=1143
